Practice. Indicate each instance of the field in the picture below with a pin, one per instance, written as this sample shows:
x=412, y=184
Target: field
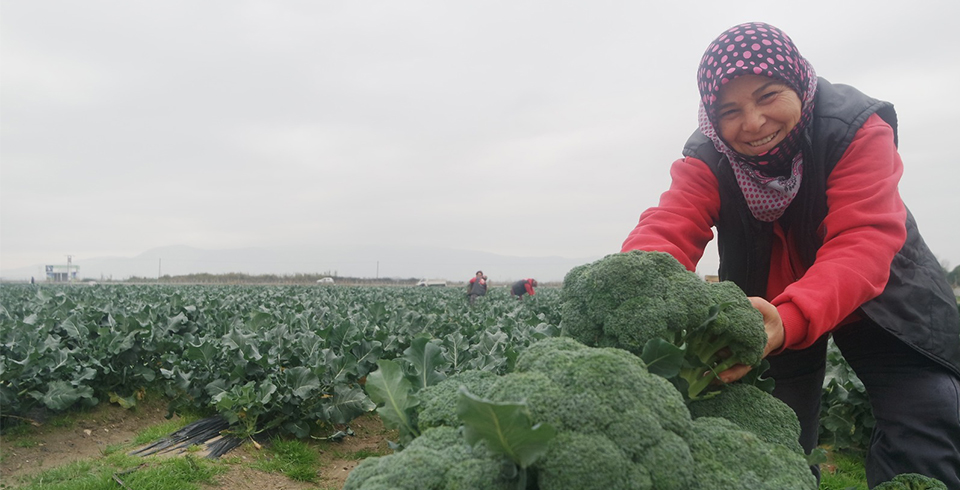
x=100, y=366
x=278, y=360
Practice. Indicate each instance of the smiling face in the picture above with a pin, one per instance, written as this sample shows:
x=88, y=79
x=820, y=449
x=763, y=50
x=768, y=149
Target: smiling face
x=755, y=113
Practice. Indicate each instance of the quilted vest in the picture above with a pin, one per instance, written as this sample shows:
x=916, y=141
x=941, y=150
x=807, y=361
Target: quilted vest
x=917, y=305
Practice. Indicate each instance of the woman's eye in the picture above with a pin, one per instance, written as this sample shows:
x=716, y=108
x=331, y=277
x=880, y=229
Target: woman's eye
x=769, y=95
x=728, y=113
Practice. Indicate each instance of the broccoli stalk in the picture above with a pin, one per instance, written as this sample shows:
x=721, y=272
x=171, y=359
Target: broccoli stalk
x=715, y=347
x=713, y=357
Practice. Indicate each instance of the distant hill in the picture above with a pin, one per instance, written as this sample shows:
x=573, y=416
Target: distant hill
x=355, y=261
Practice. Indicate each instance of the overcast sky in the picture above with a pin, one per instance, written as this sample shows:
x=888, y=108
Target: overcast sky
x=526, y=128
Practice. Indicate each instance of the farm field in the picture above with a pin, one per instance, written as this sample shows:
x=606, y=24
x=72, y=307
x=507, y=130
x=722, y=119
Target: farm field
x=100, y=364
x=284, y=360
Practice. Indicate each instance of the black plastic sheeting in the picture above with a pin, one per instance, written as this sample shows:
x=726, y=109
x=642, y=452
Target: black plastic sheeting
x=204, y=432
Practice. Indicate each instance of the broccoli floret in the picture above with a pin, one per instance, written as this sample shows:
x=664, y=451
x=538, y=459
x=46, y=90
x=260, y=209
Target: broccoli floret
x=593, y=293
x=625, y=300
x=663, y=459
x=597, y=379
x=478, y=474
x=411, y=469
x=911, y=481
x=753, y=410
x=439, y=459
x=728, y=457
x=438, y=403
x=367, y=469
x=565, y=466
x=738, y=327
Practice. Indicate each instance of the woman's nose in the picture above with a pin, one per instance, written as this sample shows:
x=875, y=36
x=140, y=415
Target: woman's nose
x=753, y=119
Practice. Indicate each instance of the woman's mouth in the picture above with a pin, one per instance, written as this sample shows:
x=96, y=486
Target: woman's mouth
x=763, y=141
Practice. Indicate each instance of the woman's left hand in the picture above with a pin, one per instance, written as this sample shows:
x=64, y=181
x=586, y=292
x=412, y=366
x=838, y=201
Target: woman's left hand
x=773, y=325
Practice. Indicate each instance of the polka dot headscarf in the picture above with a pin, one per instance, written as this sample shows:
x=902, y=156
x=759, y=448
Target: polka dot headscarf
x=769, y=181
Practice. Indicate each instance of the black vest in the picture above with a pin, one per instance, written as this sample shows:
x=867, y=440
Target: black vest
x=917, y=305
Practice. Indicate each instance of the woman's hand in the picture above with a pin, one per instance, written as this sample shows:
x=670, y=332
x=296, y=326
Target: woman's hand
x=773, y=325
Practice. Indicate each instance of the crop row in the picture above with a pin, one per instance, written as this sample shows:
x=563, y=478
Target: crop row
x=292, y=358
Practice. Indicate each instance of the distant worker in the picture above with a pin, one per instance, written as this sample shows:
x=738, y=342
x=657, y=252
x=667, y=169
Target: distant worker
x=523, y=286
x=477, y=286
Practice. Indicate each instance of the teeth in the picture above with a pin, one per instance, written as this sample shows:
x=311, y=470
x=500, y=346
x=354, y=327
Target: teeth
x=763, y=141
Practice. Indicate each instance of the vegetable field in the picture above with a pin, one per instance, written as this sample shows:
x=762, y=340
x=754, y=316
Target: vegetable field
x=288, y=358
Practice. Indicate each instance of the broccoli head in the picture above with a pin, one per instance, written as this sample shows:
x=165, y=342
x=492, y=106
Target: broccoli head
x=752, y=410
x=439, y=459
x=911, y=481
x=617, y=426
x=727, y=457
x=438, y=403
x=626, y=300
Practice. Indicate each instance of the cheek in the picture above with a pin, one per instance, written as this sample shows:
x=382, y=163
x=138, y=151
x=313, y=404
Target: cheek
x=792, y=118
x=727, y=130
x=793, y=110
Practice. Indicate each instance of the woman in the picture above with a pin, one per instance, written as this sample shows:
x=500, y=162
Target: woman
x=799, y=176
x=523, y=286
x=477, y=286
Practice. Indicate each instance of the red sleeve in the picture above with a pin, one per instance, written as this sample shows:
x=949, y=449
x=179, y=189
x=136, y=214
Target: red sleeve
x=864, y=229
x=529, y=288
x=681, y=223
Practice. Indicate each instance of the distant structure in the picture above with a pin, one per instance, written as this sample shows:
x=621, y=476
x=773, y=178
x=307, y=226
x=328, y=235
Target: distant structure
x=63, y=273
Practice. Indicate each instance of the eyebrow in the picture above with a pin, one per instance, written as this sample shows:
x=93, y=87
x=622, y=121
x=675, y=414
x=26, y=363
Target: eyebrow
x=755, y=92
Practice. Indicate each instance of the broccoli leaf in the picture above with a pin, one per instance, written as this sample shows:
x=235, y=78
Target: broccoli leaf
x=755, y=377
x=505, y=427
x=425, y=357
x=662, y=358
x=393, y=394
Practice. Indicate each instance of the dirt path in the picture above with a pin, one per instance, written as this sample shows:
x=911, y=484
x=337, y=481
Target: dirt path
x=54, y=444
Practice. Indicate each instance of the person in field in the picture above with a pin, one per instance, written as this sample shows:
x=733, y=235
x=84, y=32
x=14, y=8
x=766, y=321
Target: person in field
x=476, y=287
x=523, y=286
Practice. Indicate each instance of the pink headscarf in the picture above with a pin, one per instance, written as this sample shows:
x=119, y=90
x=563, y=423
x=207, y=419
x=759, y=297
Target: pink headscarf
x=770, y=181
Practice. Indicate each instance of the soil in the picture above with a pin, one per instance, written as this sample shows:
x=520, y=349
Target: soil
x=52, y=444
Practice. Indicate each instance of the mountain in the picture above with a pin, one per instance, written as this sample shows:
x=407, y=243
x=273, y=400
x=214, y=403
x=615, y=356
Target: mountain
x=353, y=261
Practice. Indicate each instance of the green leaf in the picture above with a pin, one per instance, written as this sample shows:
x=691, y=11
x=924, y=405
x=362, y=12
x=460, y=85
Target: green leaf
x=302, y=381
x=817, y=456
x=662, y=358
x=72, y=329
x=755, y=377
x=245, y=343
x=265, y=391
x=123, y=401
x=348, y=404
x=426, y=357
x=393, y=394
x=60, y=395
x=505, y=427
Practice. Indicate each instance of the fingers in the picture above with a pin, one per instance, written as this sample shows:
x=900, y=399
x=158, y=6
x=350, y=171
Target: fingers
x=734, y=373
x=772, y=324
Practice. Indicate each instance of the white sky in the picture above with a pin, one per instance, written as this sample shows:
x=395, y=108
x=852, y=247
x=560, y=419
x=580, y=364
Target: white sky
x=526, y=128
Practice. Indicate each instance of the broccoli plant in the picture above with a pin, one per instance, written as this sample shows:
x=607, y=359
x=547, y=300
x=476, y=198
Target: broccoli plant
x=687, y=330
x=572, y=416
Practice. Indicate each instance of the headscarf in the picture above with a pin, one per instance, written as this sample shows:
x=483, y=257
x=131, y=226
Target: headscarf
x=769, y=181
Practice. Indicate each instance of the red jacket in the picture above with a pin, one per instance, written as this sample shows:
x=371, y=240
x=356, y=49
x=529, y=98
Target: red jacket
x=865, y=223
